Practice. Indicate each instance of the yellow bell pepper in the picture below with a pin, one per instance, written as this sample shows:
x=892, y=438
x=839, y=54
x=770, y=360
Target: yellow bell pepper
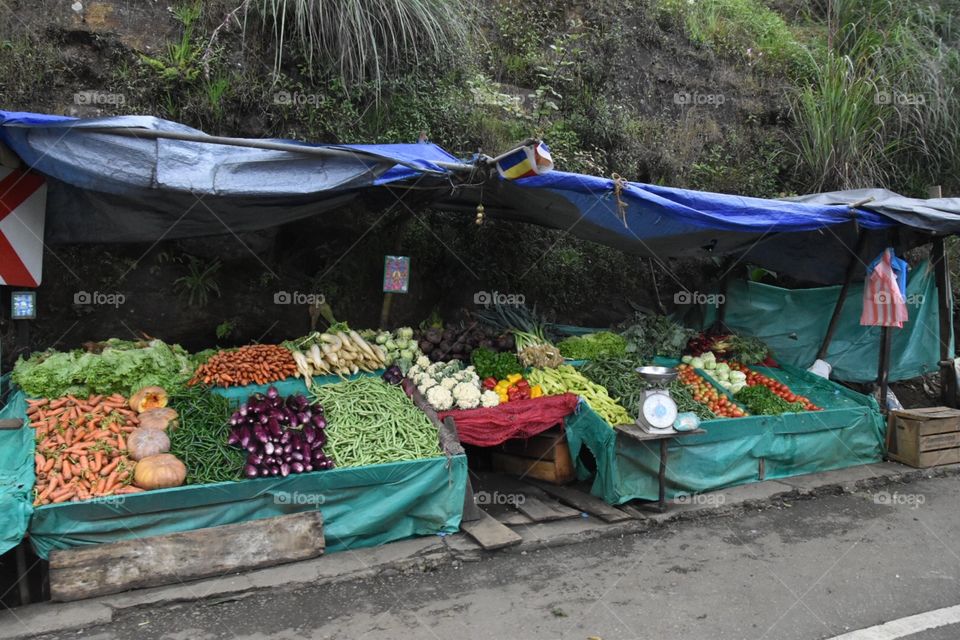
x=501, y=386
x=536, y=391
x=514, y=378
x=504, y=398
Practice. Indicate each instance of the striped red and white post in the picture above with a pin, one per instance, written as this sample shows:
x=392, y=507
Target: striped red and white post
x=23, y=204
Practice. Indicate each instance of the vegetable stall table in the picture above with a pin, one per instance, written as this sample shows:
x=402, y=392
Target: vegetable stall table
x=848, y=431
x=636, y=433
x=362, y=505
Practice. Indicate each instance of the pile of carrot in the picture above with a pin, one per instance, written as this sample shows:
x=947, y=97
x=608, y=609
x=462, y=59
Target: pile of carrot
x=253, y=364
x=81, y=450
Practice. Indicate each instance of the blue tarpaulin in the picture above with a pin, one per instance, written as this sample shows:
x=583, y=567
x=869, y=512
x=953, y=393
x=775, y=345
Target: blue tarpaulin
x=117, y=179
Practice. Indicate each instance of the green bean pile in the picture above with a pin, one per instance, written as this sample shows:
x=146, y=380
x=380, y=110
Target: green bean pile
x=371, y=422
x=201, y=439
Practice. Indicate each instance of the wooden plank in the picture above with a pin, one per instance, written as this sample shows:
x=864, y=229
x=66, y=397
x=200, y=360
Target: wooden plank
x=11, y=424
x=101, y=569
x=928, y=427
x=541, y=511
x=586, y=502
x=490, y=534
x=940, y=441
x=633, y=512
x=930, y=458
x=635, y=432
x=512, y=518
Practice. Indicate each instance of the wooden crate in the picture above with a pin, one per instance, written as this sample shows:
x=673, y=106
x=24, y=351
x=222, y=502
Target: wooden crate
x=545, y=456
x=926, y=437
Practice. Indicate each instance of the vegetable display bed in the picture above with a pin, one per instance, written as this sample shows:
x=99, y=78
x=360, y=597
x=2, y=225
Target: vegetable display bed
x=362, y=506
x=848, y=431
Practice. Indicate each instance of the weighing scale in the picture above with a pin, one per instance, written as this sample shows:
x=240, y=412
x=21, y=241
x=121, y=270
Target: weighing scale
x=658, y=411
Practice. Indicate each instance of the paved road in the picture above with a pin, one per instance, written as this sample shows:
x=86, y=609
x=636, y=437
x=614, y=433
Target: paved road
x=815, y=568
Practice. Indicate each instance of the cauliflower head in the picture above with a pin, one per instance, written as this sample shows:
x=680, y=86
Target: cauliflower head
x=489, y=399
x=466, y=395
x=439, y=398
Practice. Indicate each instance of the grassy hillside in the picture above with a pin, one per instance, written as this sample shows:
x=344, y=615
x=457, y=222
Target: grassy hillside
x=760, y=97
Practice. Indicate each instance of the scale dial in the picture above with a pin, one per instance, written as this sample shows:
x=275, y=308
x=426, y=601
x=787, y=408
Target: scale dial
x=659, y=410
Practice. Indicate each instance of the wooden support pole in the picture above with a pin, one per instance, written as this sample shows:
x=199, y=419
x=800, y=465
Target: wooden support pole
x=948, y=379
x=841, y=299
x=883, y=367
x=720, y=323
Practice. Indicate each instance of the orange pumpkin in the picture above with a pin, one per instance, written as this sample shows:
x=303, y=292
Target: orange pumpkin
x=144, y=443
x=159, y=472
x=148, y=398
x=164, y=419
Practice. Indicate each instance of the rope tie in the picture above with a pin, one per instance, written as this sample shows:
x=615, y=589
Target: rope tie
x=619, y=184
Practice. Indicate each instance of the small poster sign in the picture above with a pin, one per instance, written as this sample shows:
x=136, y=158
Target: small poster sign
x=396, y=274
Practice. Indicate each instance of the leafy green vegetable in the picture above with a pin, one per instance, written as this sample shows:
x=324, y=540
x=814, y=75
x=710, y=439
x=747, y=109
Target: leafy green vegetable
x=489, y=363
x=759, y=400
x=749, y=350
x=116, y=366
x=592, y=345
x=654, y=335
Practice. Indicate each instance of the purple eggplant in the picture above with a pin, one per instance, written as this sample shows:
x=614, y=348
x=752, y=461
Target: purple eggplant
x=233, y=438
x=269, y=448
x=250, y=471
x=296, y=456
x=309, y=433
x=284, y=469
x=307, y=467
x=273, y=426
x=255, y=458
x=296, y=467
x=274, y=470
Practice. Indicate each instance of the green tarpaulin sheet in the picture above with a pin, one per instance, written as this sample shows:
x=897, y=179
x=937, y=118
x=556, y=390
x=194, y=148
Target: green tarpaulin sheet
x=362, y=507
x=792, y=322
x=16, y=475
x=848, y=432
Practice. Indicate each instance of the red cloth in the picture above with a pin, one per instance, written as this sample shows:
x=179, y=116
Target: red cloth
x=490, y=426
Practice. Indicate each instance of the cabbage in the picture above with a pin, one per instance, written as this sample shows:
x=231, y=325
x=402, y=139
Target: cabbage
x=709, y=364
x=738, y=376
x=696, y=363
x=686, y=359
x=723, y=366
